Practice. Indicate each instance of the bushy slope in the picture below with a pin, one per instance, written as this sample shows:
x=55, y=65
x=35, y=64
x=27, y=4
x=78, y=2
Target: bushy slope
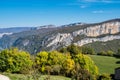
x=113, y=45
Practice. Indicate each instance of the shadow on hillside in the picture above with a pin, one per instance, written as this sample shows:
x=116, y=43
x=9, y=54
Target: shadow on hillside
x=117, y=62
x=118, y=57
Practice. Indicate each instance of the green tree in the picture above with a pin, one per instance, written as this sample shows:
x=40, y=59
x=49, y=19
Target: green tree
x=55, y=58
x=87, y=63
x=87, y=50
x=73, y=49
x=103, y=53
x=14, y=60
x=68, y=67
x=118, y=52
x=110, y=53
x=41, y=60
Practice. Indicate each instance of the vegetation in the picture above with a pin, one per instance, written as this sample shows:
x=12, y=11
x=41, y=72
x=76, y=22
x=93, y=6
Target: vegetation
x=51, y=63
x=64, y=64
x=73, y=49
x=105, y=64
x=118, y=52
x=113, y=45
x=106, y=53
x=104, y=77
x=88, y=50
x=15, y=61
x=73, y=61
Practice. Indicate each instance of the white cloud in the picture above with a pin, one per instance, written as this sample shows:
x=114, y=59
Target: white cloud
x=98, y=11
x=83, y=6
x=99, y=1
x=90, y=0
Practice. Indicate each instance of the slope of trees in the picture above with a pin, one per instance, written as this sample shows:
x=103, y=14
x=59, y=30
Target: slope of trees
x=72, y=63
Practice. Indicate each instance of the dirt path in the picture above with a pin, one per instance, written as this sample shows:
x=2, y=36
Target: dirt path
x=2, y=77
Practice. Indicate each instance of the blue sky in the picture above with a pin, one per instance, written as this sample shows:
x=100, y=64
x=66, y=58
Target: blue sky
x=21, y=13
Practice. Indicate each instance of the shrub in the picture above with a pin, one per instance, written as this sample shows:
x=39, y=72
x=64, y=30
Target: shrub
x=14, y=60
x=57, y=63
x=106, y=53
x=104, y=77
x=86, y=63
x=103, y=53
x=87, y=50
x=68, y=66
x=110, y=53
x=73, y=49
x=118, y=52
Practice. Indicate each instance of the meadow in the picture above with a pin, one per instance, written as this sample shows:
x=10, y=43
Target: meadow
x=105, y=64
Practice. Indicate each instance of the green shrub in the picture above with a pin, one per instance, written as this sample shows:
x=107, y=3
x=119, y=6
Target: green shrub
x=57, y=63
x=87, y=63
x=104, y=77
x=106, y=53
x=87, y=50
x=103, y=53
x=14, y=60
x=110, y=53
x=73, y=49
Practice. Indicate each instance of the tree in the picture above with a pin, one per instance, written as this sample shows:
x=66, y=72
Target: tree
x=87, y=63
x=68, y=67
x=41, y=60
x=110, y=53
x=50, y=62
x=14, y=60
x=87, y=50
x=118, y=52
x=55, y=58
x=73, y=49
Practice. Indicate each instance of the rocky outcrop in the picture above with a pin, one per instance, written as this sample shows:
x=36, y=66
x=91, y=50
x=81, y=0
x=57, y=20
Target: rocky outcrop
x=91, y=40
x=97, y=30
x=2, y=77
x=92, y=34
x=64, y=39
x=2, y=34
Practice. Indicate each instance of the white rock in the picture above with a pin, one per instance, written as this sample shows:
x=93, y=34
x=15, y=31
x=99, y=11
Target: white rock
x=2, y=77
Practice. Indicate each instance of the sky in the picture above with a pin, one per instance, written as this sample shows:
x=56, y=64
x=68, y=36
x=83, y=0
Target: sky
x=33, y=13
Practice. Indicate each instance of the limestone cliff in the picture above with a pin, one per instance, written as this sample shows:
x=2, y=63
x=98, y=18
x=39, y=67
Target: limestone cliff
x=92, y=33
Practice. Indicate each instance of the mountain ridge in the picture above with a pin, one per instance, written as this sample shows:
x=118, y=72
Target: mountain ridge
x=51, y=38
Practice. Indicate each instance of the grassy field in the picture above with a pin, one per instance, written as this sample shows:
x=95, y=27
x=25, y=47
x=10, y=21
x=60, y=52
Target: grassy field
x=105, y=64
x=29, y=77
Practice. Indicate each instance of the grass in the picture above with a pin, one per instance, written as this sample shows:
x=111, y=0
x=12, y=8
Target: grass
x=29, y=77
x=105, y=64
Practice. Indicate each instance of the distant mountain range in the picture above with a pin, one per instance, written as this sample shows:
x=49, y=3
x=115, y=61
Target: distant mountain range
x=15, y=29
x=50, y=37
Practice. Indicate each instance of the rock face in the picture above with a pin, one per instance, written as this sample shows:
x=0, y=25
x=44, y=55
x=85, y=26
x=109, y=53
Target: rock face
x=50, y=38
x=2, y=77
x=103, y=39
x=97, y=30
x=64, y=39
x=2, y=34
x=92, y=33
